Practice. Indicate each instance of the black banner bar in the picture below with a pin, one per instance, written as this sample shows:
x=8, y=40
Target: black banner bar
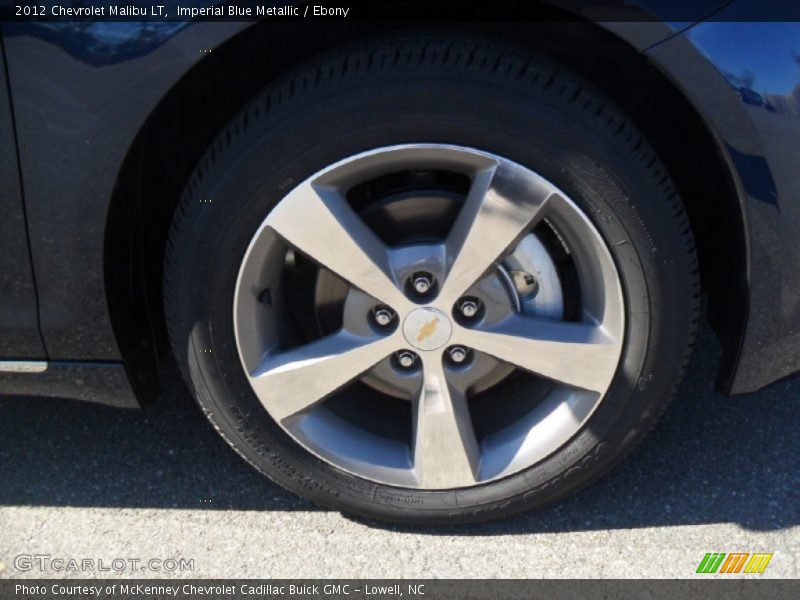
x=411, y=11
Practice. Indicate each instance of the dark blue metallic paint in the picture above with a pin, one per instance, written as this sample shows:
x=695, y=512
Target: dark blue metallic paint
x=749, y=92
x=20, y=337
x=76, y=120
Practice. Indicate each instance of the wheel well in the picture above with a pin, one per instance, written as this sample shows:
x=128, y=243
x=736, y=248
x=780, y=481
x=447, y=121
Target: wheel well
x=179, y=130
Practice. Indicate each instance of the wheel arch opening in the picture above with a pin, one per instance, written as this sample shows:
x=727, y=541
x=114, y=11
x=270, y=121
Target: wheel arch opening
x=183, y=125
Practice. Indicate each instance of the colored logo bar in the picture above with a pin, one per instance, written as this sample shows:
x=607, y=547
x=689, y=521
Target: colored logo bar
x=734, y=562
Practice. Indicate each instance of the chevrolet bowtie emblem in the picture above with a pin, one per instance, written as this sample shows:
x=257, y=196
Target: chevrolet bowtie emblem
x=427, y=329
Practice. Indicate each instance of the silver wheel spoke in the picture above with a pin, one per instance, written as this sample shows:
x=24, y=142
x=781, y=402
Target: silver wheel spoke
x=446, y=452
x=318, y=221
x=294, y=381
x=578, y=354
x=503, y=203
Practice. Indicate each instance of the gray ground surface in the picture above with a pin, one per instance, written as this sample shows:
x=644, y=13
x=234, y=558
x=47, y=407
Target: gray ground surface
x=81, y=481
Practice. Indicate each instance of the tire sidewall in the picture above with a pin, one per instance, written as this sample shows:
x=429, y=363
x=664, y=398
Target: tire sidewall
x=534, y=129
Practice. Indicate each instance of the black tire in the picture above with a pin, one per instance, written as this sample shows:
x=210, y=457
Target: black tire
x=476, y=94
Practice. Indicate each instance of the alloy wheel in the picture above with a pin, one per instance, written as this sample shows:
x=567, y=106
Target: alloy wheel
x=441, y=323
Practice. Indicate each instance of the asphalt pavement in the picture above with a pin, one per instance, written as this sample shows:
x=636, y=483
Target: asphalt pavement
x=79, y=481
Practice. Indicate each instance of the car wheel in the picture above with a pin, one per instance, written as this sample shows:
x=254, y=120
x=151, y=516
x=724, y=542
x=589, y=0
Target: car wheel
x=431, y=282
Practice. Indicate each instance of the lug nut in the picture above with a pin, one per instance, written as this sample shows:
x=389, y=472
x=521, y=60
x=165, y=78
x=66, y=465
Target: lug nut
x=406, y=358
x=469, y=307
x=383, y=315
x=458, y=354
x=422, y=282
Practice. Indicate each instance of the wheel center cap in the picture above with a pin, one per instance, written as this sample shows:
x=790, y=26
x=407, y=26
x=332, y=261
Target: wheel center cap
x=427, y=328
